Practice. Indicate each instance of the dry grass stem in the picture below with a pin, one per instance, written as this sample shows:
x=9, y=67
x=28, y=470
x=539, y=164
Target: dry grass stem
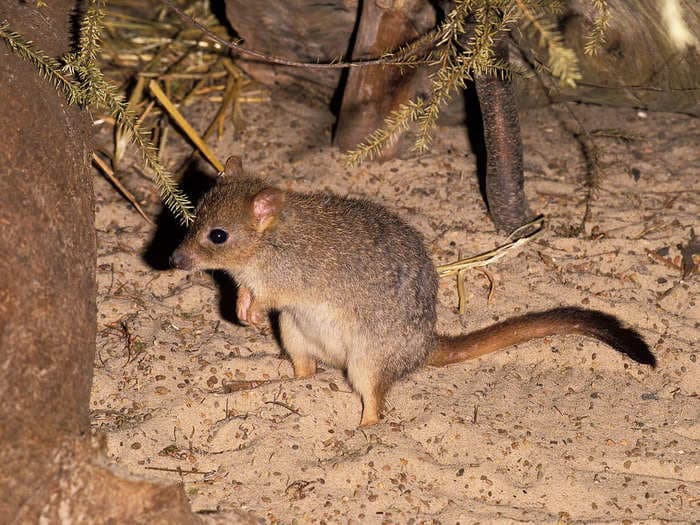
x=492, y=283
x=184, y=125
x=483, y=259
x=107, y=171
x=516, y=240
x=153, y=57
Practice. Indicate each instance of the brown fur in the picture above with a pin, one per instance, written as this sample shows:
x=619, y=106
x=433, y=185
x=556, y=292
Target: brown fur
x=353, y=283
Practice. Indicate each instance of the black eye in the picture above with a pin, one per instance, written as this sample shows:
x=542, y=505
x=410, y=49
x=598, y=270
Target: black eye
x=218, y=236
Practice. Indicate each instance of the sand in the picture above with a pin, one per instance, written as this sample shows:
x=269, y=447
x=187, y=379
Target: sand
x=558, y=430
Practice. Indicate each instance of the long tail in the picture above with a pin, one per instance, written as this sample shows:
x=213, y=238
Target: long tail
x=559, y=321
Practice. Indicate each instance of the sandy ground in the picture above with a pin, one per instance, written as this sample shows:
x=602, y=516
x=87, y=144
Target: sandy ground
x=556, y=430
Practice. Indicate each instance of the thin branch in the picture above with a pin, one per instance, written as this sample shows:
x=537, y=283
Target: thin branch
x=117, y=183
x=387, y=59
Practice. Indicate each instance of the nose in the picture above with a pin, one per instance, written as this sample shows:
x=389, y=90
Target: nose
x=181, y=260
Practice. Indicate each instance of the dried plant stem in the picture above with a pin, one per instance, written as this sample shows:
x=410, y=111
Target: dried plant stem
x=117, y=183
x=516, y=240
x=184, y=125
x=492, y=283
x=491, y=256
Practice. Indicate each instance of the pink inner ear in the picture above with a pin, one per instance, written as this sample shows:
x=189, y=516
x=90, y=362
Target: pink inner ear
x=267, y=204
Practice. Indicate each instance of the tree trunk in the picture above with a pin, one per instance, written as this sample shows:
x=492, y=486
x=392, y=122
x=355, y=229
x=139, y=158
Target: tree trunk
x=371, y=93
x=51, y=472
x=504, y=180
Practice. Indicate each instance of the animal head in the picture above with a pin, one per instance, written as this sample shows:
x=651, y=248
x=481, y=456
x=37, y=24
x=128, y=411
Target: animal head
x=231, y=221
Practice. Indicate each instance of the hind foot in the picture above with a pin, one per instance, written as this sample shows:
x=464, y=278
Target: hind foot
x=304, y=365
x=370, y=416
x=372, y=401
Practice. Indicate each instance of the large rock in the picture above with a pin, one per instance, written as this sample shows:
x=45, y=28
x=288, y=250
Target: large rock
x=640, y=66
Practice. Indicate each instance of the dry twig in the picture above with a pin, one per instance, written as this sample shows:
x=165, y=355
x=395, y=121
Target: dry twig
x=515, y=240
x=117, y=183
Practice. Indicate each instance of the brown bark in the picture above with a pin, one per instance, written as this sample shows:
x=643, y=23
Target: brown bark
x=47, y=284
x=50, y=471
x=504, y=180
x=371, y=93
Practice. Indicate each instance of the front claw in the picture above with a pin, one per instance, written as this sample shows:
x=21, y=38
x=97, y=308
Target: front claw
x=248, y=309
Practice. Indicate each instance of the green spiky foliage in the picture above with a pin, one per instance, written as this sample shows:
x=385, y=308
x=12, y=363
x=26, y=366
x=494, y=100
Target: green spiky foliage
x=463, y=47
x=80, y=79
x=596, y=38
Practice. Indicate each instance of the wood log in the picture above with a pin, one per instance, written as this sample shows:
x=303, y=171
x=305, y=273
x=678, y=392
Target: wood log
x=371, y=93
x=640, y=64
x=297, y=29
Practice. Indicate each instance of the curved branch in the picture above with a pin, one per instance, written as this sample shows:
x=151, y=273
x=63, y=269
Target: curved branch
x=388, y=60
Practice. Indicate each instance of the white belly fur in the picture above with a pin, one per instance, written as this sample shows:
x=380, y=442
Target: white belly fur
x=324, y=333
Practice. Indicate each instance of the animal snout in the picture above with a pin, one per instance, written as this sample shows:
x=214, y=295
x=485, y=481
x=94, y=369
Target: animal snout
x=181, y=260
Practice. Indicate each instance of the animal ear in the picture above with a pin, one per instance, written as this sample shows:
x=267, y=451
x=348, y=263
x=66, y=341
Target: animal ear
x=233, y=168
x=266, y=208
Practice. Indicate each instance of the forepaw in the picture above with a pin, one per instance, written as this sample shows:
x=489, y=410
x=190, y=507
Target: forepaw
x=249, y=311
